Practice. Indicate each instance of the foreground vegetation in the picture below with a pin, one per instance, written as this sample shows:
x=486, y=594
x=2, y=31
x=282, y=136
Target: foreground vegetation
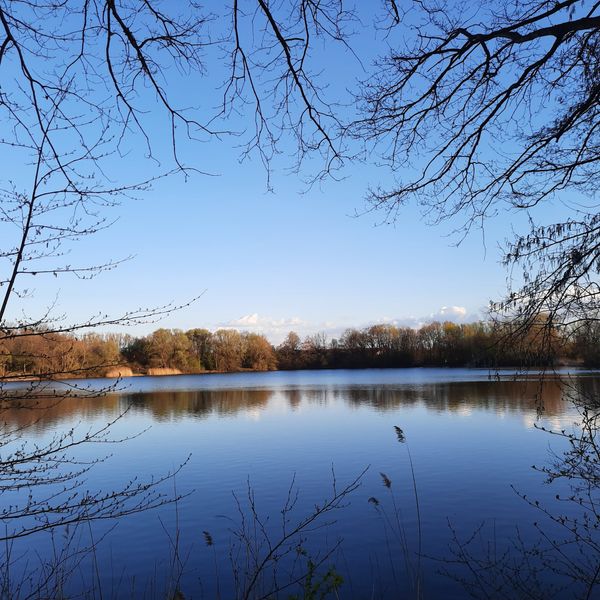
x=171, y=351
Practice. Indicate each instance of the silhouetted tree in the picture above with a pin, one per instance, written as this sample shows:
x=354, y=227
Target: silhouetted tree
x=488, y=107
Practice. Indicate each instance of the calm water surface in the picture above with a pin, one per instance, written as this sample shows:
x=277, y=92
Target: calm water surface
x=472, y=439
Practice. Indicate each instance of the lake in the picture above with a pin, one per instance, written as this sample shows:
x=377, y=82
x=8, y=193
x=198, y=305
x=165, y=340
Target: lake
x=252, y=442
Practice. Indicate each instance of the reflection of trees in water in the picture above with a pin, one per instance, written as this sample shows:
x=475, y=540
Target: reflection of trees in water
x=166, y=405
x=40, y=415
x=294, y=398
x=497, y=396
x=319, y=396
x=584, y=391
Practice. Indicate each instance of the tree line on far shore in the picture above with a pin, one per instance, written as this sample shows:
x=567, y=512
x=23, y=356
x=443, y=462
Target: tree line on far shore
x=479, y=344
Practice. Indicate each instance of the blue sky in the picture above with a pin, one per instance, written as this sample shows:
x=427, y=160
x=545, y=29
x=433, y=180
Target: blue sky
x=280, y=260
x=294, y=257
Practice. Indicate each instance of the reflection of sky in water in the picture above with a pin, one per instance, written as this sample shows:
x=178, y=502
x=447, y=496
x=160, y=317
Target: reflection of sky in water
x=470, y=438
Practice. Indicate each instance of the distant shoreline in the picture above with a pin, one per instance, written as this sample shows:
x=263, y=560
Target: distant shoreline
x=173, y=373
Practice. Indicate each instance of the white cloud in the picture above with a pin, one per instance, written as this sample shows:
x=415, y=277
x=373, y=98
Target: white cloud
x=450, y=313
x=455, y=314
x=245, y=321
x=276, y=329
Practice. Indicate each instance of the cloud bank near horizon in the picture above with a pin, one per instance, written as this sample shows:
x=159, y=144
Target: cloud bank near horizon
x=275, y=329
